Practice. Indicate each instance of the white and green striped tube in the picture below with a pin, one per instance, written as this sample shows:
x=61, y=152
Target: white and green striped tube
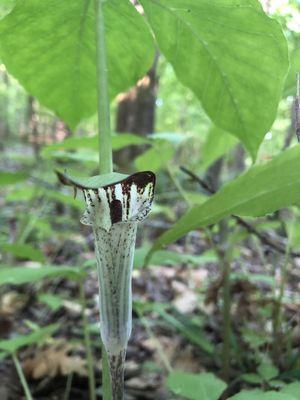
x=113, y=212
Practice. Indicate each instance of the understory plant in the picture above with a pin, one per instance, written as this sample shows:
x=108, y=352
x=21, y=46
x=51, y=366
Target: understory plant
x=115, y=203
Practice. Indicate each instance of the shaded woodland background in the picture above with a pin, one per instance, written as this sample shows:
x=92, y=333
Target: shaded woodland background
x=178, y=298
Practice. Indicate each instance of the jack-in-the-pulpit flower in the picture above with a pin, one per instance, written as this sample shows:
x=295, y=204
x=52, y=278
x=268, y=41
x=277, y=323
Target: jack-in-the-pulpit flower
x=113, y=211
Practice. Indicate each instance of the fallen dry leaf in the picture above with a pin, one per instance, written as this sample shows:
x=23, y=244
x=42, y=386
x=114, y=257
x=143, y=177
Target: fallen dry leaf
x=54, y=361
x=11, y=302
x=186, y=360
x=149, y=382
x=185, y=299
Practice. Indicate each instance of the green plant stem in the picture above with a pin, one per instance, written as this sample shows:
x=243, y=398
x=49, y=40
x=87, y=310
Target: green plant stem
x=88, y=346
x=105, y=146
x=224, y=252
x=22, y=377
x=277, y=319
x=277, y=313
x=224, y=257
x=226, y=319
x=30, y=223
x=68, y=387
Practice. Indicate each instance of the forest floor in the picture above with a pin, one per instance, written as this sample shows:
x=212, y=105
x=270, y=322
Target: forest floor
x=177, y=304
x=177, y=326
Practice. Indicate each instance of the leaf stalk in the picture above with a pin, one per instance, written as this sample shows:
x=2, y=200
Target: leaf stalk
x=105, y=146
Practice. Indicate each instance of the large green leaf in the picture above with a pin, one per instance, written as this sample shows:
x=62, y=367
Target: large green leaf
x=185, y=327
x=49, y=46
x=291, y=79
x=261, y=190
x=6, y=6
x=24, y=251
x=54, y=302
x=22, y=275
x=292, y=389
x=165, y=257
x=230, y=54
x=38, y=336
x=258, y=394
x=64, y=199
x=217, y=144
x=196, y=387
x=91, y=142
x=93, y=182
x=155, y=158
x=10, y=178
x=267, y=371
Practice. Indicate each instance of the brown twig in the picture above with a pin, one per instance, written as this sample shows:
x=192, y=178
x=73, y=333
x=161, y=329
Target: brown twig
x=265, y=239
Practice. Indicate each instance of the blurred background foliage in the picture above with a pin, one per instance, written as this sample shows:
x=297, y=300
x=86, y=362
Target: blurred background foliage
x=159, y=125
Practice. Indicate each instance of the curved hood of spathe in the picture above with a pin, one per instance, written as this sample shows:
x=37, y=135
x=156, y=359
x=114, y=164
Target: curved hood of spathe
x=127, y=200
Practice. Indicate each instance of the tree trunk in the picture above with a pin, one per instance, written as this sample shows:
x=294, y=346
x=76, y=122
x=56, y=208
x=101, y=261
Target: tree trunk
x=136, y=114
